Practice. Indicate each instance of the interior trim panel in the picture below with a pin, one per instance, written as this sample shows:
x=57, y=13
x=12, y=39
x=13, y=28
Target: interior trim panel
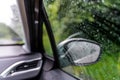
x=21, y=67
x=12, y=51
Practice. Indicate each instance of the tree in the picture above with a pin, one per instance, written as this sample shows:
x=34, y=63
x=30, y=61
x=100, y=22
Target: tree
x=97, y=20
x=6, y=32
x=16, y=21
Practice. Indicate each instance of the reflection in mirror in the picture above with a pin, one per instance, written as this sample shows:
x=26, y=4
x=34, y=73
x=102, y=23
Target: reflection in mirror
x=78, y=52
x=83, y=52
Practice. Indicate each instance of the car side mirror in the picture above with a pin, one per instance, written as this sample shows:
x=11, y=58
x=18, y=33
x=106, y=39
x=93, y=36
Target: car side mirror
x=78, y=51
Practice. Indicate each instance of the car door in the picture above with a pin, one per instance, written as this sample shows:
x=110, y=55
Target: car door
x=20, y=53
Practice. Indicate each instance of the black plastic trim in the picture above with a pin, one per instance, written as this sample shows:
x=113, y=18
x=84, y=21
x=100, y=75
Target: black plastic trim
x=29, y=7
x=50, y=35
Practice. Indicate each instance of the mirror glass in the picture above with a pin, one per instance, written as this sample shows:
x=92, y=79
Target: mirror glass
x=79, y=52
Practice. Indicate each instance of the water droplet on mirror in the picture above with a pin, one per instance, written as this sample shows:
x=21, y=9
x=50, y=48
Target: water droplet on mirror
x=97, y=30
x=111, y=32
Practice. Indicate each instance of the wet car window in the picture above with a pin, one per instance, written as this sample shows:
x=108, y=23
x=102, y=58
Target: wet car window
x=96, y=20
x=10, y=23
x=46, y=43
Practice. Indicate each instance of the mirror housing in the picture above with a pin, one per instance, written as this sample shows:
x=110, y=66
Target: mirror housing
x=78, y=51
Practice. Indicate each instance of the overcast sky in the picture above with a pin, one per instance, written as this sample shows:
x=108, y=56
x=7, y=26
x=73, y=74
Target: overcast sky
x=5, y=11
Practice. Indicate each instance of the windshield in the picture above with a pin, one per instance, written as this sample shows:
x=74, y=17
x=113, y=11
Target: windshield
x=10, y=23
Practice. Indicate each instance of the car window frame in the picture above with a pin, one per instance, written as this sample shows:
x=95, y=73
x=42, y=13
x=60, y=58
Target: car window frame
x=50, y=35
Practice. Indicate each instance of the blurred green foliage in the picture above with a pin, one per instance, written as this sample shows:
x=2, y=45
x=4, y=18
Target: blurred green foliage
x=7, y=34
x=5, y=31
x=97, y=20
x=46, y=43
